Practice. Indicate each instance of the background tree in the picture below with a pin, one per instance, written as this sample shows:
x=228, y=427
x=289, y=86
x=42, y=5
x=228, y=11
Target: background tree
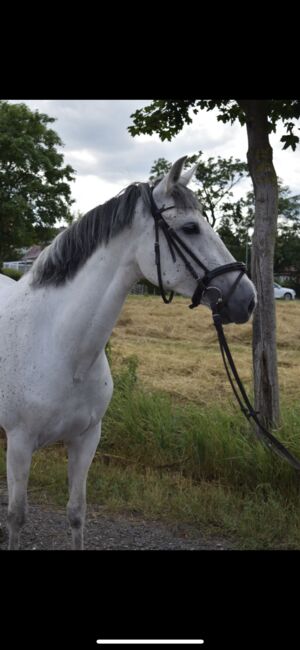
x=216, y=178
x=167, y=118
x=237, y=222
x=234, y=230
x=34, y=184
x=159, y=168
x=288, y=207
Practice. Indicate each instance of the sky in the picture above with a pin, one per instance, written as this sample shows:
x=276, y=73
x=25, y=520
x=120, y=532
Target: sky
x=107, y=158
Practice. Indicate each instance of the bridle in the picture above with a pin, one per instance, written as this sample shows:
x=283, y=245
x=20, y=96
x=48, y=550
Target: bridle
x=177, y=245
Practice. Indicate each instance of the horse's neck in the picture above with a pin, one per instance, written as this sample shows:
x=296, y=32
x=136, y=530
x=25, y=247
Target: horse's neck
x=93, y=302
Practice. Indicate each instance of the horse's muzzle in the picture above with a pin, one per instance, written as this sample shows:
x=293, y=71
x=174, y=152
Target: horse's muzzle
x=239, y=313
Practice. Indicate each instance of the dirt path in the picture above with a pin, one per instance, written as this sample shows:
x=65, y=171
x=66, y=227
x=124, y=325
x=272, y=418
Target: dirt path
x=47, y=529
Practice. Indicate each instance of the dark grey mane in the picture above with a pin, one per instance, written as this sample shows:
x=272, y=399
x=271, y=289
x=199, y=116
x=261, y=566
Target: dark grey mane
x=70, y=250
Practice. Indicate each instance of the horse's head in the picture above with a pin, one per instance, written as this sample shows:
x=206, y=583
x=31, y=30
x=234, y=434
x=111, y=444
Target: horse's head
x=190, y=258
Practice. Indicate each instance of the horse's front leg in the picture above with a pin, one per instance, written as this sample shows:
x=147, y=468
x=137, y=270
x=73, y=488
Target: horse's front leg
x=19, y=455
x=81, y=452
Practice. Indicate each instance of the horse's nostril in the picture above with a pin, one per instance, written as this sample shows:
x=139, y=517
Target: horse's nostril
x=251, y=305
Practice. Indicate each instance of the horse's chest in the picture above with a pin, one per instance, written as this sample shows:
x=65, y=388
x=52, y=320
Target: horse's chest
x=74, y=413
x=79, y=405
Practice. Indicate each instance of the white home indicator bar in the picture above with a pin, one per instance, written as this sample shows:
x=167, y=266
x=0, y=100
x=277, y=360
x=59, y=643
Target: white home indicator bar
x=150, y=641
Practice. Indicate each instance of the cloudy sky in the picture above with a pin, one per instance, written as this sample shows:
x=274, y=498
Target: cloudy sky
x=106, y=158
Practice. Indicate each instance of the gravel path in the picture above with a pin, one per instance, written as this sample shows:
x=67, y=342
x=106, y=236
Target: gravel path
x=47, y=529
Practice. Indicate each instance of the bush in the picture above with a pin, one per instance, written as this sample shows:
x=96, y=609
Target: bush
x=12, y=273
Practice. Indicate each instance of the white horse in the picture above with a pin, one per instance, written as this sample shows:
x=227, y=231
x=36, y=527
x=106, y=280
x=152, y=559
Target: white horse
x=55, y=381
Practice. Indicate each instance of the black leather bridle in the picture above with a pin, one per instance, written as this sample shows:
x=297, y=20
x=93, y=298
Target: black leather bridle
x=177, y=245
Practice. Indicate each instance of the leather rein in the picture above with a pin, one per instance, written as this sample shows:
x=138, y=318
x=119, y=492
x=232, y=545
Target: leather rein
x=178, y=246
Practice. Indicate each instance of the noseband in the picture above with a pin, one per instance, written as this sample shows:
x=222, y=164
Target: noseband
x=177, y=245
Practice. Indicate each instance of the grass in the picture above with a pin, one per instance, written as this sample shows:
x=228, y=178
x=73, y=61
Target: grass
x=174, y=446
x=178, y=352
x=263, y=517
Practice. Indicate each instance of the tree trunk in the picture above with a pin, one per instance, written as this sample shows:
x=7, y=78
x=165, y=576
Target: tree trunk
x=265, y=228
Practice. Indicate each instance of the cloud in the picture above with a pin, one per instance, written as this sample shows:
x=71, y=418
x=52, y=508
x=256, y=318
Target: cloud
x=91, y=190
x=106, y=158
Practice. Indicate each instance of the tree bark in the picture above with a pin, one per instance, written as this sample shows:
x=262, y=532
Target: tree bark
x=261, y=168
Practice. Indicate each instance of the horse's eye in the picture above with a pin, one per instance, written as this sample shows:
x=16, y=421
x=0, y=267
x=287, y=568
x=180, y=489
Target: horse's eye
x=191, y=228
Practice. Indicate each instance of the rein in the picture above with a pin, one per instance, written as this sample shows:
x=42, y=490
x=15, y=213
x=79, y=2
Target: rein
x=177, y=245
x=242, y=398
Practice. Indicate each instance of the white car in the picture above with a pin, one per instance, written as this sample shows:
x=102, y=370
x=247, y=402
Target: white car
x=284, y=292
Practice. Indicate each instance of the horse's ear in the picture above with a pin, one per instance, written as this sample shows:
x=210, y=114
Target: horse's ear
x=171, y=178
x=187, y=176
x=173, y=175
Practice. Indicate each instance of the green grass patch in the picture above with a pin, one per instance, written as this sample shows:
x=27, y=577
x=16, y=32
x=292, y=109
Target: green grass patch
x=210, y=443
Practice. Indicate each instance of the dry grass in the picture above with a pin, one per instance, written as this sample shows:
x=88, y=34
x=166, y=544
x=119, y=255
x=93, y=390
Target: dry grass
x=178, y=352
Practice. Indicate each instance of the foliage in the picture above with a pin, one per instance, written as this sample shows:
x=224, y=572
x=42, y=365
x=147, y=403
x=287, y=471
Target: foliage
x=288, y=208
x=159, y=169
x=34, y=184
x=238, y=219
x=216, y=178
x=168, y=117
